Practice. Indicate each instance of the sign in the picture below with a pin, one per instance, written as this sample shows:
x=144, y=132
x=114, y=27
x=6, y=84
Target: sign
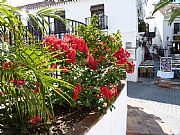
x=132, y=52
x=166, y=64
x=165, y=74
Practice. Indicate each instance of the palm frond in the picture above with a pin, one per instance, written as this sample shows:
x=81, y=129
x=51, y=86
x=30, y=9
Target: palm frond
x=160, y=5
x=174, y=15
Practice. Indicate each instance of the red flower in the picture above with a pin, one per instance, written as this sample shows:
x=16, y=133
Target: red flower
x=1, y=92
x=65, y=69
x=54, y=66
x=49, y=39
x=7, y=65
x=68, y=38
x=37, y=87
x=97, y=96
x=65, y=46
x=109, y=95
x=95, y=49
x=90, y=59
x=81, y=46
x=122, y=56
x=77, y=89
x=18, y=82
x=57, y=46
x=71, y=55
x=121, y=61
x=93, y=66
x=13, y=81
x=115, y=91
x=130, y=67
x=21, y=82
x=106, y=92
x=92, y=62
x=34, y=120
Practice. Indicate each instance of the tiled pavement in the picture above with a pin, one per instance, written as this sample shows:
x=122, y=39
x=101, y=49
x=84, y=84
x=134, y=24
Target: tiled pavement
x=160, y=102
x=141, y=123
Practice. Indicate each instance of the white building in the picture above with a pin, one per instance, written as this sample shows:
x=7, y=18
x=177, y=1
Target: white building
x=167, y=36
x=119, y=15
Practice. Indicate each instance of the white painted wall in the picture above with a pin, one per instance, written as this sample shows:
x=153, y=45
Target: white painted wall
x=134, y=76
x=153, y=27
x=167, y=32
x=115, y=122
x=122, y=15
x=169, y=29
x=140, y=56
x=155, y=22
x=158, y=23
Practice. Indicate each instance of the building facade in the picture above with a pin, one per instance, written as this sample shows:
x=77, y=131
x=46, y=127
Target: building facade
x=114, y=15
x=167, y=35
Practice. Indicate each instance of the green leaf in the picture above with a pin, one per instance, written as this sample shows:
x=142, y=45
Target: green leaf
x=3, y=1
x=174, y=15
x=161, y=5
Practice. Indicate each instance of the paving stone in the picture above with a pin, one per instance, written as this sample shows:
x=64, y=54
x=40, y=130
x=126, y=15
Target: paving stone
x=162, y=102
x=156, y=131
x=138, y=129
x=142, y=123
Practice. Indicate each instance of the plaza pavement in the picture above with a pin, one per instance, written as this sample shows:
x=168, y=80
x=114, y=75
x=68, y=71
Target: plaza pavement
x=155, y=109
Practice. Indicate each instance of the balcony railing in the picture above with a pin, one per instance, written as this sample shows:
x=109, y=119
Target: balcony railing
x=102, y=22
x=59, y=30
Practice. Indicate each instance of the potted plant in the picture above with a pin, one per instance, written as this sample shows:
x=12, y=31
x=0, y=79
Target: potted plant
x=57, y=76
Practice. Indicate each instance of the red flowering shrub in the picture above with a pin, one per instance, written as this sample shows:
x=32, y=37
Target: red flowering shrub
x=81, y=70
x=95, y=63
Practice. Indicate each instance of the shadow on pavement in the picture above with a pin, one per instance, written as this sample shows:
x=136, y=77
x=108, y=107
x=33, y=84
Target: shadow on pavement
x=141, y=123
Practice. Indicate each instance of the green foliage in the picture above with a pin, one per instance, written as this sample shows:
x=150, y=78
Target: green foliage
x=27, y=84
x=89, y=69
x=107, y=72
x=97, y=39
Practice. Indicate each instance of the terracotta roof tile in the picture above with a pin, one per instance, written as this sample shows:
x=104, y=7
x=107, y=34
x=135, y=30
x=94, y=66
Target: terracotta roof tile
x=166, y=11
x=46, y=3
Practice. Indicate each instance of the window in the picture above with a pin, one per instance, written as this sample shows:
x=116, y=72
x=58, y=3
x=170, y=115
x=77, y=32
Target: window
x=176, y=28
x=99, y=11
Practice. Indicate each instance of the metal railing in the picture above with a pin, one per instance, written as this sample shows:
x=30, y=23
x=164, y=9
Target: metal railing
x=70, y=26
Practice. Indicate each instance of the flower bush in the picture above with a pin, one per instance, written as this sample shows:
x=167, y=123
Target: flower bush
x=79, y=71
x=95, y=63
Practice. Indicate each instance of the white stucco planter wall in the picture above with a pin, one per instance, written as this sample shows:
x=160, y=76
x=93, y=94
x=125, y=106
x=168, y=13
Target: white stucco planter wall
x=113, y=123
